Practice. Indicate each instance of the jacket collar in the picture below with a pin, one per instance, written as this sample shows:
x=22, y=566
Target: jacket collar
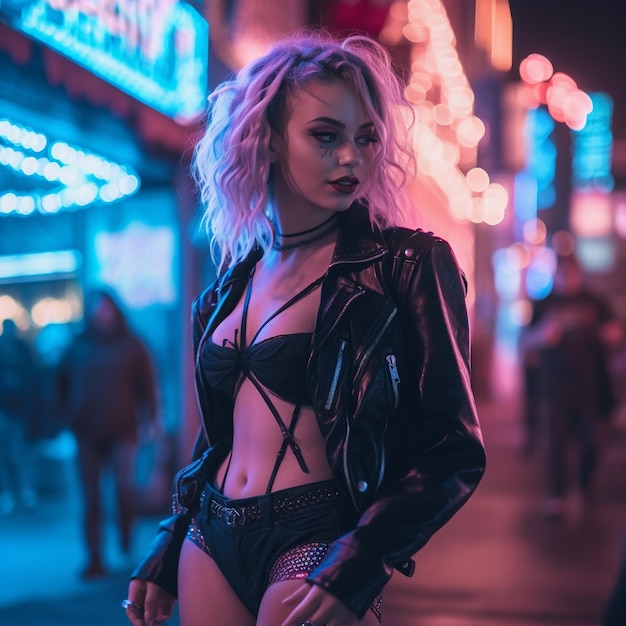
x=358, y=241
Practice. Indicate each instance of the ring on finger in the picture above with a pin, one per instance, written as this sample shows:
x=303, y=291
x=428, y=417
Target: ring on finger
x=129, y=604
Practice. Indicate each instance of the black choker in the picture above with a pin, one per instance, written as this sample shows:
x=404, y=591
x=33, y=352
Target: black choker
x=309, y=230
x=305, y=242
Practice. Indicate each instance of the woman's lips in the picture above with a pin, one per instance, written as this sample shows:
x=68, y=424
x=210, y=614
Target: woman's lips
x=345, y=185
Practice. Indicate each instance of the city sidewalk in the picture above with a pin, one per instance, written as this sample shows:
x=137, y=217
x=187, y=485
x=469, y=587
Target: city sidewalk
x=497, y=563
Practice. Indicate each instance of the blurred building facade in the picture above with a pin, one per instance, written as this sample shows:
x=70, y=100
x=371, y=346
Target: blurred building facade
x=100, y=104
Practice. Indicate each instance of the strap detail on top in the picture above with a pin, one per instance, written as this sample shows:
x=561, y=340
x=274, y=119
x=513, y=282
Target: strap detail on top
x=240, y=346
x=301, y=294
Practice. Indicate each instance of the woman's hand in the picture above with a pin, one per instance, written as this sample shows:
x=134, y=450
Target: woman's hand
x=313, y=604
x=149, y=604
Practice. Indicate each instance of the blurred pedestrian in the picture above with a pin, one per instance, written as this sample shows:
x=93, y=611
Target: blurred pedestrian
x=108, y=392
x=571, y=331
x=17, y=395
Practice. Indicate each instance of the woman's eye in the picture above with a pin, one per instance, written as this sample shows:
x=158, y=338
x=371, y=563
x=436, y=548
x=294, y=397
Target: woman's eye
x=324, y=137
x=367, y=140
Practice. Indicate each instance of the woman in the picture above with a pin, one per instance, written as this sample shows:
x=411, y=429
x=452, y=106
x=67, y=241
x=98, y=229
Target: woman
x=332, y=357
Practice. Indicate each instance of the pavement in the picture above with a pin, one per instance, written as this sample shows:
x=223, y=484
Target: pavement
x=498, y=562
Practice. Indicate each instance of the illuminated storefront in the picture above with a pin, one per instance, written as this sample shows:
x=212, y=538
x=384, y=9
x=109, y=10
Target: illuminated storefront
x=98, y=102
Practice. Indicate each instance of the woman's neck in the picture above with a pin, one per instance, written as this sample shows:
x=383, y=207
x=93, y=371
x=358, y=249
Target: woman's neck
x=305, y=236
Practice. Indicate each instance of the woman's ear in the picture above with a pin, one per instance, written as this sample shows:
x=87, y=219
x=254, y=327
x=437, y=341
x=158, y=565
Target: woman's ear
x=275, y=145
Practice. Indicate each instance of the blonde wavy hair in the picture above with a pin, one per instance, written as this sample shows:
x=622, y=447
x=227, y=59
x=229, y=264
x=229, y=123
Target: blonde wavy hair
x=231, y=161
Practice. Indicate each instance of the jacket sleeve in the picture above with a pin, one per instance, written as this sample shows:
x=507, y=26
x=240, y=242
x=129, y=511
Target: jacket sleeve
x=443, y=454
x=160, y=564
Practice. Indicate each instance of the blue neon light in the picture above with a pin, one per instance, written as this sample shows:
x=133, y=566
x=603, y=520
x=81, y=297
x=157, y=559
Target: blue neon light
x=593, y=147
x=156, y=51
x=541, y=156
x=39, y=264
x=525, y=190
x=73, y=178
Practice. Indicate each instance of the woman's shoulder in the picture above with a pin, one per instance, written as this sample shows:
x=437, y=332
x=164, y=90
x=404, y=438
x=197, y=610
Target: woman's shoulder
x=417, y=250
x=408, y=243
x=397, y=239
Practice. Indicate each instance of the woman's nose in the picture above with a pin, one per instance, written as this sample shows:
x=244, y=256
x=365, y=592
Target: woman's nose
x=349, y=154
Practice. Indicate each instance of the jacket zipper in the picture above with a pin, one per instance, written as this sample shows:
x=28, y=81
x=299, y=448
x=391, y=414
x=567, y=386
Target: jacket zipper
x=374, y=343
x=392, y=365
x=336, y=321
x=335, y=380
x=376, y=255
x=333, y=387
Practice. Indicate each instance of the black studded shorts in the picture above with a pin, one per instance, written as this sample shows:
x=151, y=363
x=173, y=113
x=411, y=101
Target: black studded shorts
x=267, y=539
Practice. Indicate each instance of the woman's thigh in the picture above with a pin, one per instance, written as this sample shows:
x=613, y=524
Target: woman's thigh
x=274, y=611
x=204, y=596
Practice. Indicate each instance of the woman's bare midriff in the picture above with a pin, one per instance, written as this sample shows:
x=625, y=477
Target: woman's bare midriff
x=256, y=442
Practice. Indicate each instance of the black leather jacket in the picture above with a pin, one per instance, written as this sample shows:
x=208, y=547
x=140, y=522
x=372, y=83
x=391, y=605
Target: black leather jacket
x=390, y=386
x=389, y=378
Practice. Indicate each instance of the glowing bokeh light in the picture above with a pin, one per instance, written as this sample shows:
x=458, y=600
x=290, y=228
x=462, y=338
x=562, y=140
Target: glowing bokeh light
x=51, y=311
x=535, y=231
x=519, y=255
x=521, y=312
x=477, y=179
x=447, y=132
x=80, y=174
x=11, y=309
x=535, y=68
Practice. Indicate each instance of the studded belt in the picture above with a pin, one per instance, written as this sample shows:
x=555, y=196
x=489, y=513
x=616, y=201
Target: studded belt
x=242, y=515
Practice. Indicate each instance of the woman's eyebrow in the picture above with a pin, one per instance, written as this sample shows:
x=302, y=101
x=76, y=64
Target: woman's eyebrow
x=341, y=125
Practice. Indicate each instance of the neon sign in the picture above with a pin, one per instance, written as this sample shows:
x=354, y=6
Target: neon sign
x=593, y=147
x=154, y=50
x=541, y=155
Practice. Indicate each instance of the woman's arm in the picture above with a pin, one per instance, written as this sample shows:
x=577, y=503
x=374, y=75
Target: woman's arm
x=444, y=460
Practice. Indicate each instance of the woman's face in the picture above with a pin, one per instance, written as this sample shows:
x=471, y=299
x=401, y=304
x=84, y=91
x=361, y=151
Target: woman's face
x=324, y=157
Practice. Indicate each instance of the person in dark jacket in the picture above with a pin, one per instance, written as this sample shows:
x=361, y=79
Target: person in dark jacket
x=339, y=429
x=107, y=390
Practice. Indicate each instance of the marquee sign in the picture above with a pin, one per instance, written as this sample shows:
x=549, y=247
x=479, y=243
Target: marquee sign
x=154, y=50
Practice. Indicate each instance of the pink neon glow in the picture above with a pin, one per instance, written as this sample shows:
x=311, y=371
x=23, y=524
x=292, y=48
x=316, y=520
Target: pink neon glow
x=535, y=68
x=576, y=108
x=561, y=86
